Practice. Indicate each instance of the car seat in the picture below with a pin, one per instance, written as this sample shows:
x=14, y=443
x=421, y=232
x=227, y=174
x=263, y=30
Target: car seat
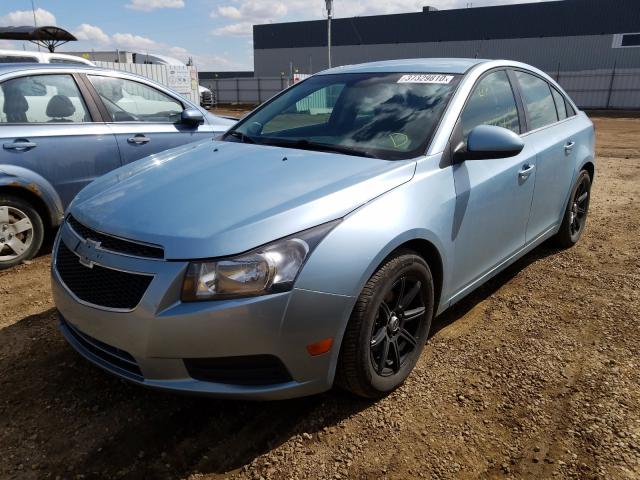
x=60, y=107
x=15, y=106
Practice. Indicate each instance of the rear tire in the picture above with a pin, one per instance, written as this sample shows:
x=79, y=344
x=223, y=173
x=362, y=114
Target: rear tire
x=21, y=231
x=575, y=215
x=388, y=327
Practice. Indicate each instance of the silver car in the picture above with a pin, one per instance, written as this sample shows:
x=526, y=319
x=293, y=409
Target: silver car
x=61, y=126
x=314, y=243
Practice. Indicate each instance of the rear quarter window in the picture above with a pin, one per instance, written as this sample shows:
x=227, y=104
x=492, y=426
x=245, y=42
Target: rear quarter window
x=561, y=106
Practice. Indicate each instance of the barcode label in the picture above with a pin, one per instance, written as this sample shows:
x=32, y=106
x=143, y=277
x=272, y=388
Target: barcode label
x=425, y=78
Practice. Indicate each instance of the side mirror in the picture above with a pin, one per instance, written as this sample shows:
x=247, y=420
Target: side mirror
x=191, y=116
x=486, y=142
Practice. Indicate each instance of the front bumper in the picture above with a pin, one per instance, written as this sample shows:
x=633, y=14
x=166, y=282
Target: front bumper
x=161, y=333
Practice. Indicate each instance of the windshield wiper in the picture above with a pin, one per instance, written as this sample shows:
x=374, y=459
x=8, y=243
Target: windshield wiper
x=322, y=147
x=241, y=136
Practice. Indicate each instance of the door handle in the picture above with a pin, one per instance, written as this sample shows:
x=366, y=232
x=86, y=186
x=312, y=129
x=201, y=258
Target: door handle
x=568, y=147
x=139, y=139
x=19, y=145
x=526, y=171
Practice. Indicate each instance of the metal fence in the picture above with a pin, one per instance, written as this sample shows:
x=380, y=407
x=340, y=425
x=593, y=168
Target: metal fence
x=602, y=89
x=591, y=89
x=246, y=90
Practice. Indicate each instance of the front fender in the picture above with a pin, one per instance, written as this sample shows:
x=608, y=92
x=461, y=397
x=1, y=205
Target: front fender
x=19, y=177
x=421, y=209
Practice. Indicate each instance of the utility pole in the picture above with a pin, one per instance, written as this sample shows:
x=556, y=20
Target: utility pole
x=329, y=4
x=35, y=22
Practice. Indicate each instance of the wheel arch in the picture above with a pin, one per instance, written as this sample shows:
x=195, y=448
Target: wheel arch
x=430, y=253
x=36, y=190
x=590, y=168
x=416, y=241
x=33, y=199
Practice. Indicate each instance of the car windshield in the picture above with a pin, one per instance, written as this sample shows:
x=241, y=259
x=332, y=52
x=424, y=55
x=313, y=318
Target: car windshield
x=390, y=116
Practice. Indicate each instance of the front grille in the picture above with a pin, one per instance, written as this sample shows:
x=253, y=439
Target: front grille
x=115, y=244
x=99, y=285
x=241, y=370
x=117, y=359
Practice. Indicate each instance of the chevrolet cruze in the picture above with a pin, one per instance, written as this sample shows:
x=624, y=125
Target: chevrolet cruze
x=313, y=243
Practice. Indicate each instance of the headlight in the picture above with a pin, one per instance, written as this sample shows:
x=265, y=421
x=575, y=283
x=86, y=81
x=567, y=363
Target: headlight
x=267, y=269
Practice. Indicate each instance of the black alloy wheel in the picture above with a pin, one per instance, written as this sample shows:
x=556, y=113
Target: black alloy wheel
x=396, y=327
x=575, y=216
x=388, y=327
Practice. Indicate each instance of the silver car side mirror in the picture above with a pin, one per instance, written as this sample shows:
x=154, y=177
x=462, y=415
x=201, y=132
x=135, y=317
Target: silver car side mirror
x=487, y=142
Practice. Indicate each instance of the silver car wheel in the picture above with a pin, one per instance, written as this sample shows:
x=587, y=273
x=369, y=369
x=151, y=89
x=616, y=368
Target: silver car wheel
x=16, y=233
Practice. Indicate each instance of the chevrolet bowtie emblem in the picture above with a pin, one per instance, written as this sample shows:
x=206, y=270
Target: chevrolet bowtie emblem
x=85, y=250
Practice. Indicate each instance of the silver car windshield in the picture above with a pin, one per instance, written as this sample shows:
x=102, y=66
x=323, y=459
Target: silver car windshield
x=389, y=116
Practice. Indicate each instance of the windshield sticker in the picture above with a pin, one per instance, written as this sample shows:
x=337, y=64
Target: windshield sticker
x=399, y=140
x=423, y=78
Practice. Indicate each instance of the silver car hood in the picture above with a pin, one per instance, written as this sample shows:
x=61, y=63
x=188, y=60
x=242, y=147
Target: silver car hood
x=219, y=124
x=220, y=198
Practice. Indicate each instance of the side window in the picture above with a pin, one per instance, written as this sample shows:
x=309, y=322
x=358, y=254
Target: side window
x=570, y=110
x=17, y=59
x=65, y=61
x=560, y=105
x=491, y=103
x=43, y=99
x=538, y=100
x=129, y=101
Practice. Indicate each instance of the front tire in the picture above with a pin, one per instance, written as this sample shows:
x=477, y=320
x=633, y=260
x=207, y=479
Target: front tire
x=575, y=215
x=388, y=327
x=21, y=231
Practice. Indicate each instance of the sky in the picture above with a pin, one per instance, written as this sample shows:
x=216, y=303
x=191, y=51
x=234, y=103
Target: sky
x=217, y=34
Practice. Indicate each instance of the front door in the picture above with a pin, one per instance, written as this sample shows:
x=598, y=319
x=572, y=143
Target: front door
x=493, y=197
x=144, y=119
x=46, y=128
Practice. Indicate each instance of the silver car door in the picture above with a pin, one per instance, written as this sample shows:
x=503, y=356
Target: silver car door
x=493, y=196
x=48, y=128
x=554, y=136
x=144, y=119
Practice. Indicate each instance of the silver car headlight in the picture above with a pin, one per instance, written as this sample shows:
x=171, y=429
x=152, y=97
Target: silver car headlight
x=268, y=269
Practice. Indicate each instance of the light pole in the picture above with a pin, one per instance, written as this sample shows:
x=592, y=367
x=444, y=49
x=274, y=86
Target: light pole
x=35, y=22
x=329, y=4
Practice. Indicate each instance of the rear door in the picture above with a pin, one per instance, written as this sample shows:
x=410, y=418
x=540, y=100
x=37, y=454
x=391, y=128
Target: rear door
x=48, y=127
x=552, y=133
x=144, y=119
x=493, y=196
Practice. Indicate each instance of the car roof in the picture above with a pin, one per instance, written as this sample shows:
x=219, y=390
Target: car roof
x=43, y=55
x=410, y=65
x=18, y=67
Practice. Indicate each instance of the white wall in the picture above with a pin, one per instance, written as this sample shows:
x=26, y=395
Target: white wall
x=181, y=79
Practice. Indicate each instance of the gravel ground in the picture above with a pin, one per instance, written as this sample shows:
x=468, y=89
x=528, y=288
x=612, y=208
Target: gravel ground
x=536, y=375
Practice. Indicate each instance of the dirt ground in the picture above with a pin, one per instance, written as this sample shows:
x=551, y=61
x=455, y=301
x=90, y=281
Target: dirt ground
x=536, y=375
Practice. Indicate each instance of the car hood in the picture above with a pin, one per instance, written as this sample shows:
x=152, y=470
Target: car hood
x=219, y=124
x=219, y=198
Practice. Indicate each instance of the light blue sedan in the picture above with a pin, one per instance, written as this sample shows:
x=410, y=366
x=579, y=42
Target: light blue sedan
x=62, y=126
x=315, y=242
